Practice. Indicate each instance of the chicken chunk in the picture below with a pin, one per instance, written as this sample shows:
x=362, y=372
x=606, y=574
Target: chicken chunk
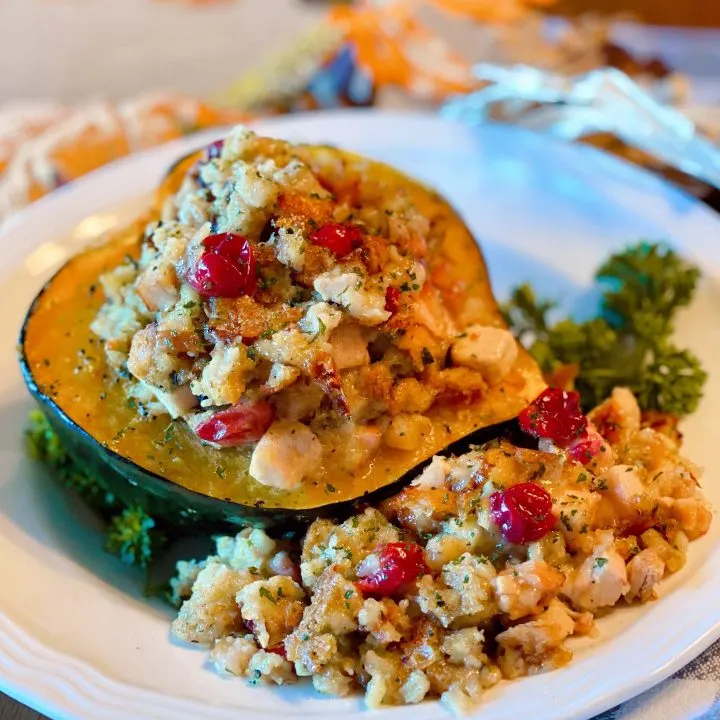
x=357, y=444
x=617, y=417
x=537, y=644
x=349, y=290
x=320, y=320
x=490, y=350
x=281, y=377
x=525, y=589
x=232, y=655
x=599, y=581
x=434, y=475
x=286, y=454
x=149, y=359
x=157, y=286
x=177, y=402
x=576, y=510
x=693, y=515
x=645, y=571
x=349, y=347
x=626, y=491
x=408, y=431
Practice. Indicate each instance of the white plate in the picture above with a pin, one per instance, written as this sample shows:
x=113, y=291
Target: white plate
x=78, y=639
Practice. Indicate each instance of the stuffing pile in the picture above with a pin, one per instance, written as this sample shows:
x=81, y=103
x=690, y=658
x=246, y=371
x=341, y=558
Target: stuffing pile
x=285, y=301
x=477, y=571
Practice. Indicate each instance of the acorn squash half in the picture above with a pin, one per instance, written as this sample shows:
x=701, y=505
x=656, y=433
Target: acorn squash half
x=161, y=465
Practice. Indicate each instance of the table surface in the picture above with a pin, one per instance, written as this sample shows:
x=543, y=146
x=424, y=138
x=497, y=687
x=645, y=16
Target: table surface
x=11, y=710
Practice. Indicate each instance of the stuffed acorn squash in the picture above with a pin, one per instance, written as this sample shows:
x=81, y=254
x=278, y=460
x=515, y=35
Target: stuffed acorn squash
x=289, y=329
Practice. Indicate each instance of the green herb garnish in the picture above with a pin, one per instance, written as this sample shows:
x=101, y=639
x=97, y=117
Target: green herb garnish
x=131, y=533
x=629, y=343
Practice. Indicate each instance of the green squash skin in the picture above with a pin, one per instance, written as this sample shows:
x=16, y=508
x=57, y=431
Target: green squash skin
x=190, y=510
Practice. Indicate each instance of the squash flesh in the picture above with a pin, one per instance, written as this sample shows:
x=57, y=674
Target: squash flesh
x=68, y=366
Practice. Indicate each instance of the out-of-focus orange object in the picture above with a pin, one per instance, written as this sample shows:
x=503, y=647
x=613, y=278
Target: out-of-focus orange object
x=19, y=124
x=358, y=48
x=398, y=49
x=490, y=10
x=74, y=142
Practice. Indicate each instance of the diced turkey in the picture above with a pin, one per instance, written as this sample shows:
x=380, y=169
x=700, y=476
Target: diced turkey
x=286, y=453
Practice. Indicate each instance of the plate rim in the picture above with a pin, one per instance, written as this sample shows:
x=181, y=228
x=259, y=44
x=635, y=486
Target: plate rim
x=77, y=705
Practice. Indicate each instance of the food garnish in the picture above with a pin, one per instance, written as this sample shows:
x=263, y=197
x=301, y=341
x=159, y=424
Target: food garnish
x=132, y=534
x=630, y=342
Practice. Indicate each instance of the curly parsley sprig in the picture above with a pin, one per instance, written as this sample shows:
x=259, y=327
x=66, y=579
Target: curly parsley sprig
x=132, y=534
x=629, y=343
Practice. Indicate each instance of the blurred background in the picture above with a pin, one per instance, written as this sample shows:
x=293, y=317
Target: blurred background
x=87, y=81
x=71, y=49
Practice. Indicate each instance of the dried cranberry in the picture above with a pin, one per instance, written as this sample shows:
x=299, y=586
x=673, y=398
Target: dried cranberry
x=214, y=150
x=340, y=239
x=555, y=414
x=523, y=512
x=586, y=447
x=226, y=268
x=278, y=649
x=399, y=563
x=392, y=300
x=238, y=425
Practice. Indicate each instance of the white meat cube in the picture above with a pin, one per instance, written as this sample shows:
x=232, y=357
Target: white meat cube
x=285, y=454
x=490, y=350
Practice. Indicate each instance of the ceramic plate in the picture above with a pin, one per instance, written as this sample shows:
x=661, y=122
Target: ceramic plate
x=78, y=638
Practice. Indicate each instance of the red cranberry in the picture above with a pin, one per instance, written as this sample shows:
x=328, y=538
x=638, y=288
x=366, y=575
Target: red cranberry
x=399, y=563
x=523, y=512
x=214, y=150
x=555, y=414
x=392, y=300
x=585, y=448
x=278, y=649
x=226, y=268
x=340, y=239
x=238, y=425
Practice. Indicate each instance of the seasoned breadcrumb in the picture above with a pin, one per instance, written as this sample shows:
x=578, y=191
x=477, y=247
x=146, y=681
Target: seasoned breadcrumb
x=478, y=608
